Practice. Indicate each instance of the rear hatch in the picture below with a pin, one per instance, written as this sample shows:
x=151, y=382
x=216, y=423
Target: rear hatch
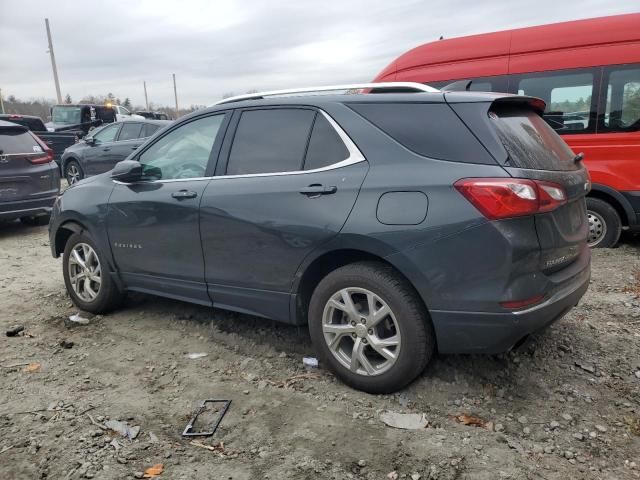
x=23, y=171
x=518, y=137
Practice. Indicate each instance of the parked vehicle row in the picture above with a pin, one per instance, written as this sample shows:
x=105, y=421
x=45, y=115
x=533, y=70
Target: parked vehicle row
x=392, y=224
x=29, y=177
x=106, y=146
x=587, y=72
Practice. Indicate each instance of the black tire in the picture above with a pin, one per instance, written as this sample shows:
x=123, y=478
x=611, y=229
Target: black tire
x=36, y=220
x=109, y=295
x=605, y=225
x=69, y=172
x=416, y=331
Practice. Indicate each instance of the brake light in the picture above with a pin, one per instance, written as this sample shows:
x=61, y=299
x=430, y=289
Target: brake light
x=47, y=153
x=498, y=198
x=516, y=304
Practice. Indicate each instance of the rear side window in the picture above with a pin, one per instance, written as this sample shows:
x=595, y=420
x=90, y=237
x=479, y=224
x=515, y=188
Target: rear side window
x=325, y=146
x=428, y=129
x=268, y=141
x=17, y=141
x=149, y=130
x=129, y=131
x=622, y=112
x=530, y=142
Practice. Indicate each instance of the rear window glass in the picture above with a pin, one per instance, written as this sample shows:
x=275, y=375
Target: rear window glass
x=129, y=131
x=530, y=141
x=429, y=129
x=33, y=124
x=12, y=141
x=148, y=130
x=325, y=146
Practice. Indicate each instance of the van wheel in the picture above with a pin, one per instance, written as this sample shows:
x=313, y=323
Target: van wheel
x=369, y=326
x=87, y=277
x=73, y=172
x=604, y=224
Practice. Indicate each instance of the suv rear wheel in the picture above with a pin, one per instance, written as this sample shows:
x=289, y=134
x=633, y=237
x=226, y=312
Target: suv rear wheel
x=86, y=277
x=73, y=172
x=604, y=224
x=369, y=326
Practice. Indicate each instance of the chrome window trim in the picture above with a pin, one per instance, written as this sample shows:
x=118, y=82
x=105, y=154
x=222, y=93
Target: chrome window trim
x=355, y=156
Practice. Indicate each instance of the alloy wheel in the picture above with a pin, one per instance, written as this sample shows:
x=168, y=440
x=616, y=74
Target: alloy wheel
x=73, y=174
x=597, y=228
x=361, y=331
x=85, y=273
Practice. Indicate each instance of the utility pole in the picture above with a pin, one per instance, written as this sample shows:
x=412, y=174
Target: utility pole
x=53, y=61
x=146, y=99
x=1, y=102
x=175, y=92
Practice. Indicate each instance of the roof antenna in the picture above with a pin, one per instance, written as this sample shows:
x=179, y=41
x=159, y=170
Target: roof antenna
x=459, y=86
x=441, y=37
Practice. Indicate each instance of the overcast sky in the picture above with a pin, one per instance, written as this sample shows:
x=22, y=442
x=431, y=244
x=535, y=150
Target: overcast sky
x=216, y=47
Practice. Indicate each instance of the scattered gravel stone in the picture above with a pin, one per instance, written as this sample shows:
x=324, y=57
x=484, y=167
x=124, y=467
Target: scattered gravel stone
x=362, y=463
x=578, y=436
x=601, y=428
x=554, y=425
x=523, y=420
x=567, y=417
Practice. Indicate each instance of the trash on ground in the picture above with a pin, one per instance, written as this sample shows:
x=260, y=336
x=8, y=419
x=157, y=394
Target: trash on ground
x=153, y=471
x=219, y=448
x=405, y=421
x=194, y=356
x=122, y=428
x=66, y=344
x=188, y=431
x=473, y=421
x=310, y=362
x=14, y=330
x=32, y=367
x=78, y=320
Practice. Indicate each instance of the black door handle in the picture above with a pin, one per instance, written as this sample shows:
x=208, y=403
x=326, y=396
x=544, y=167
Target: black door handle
x=106, y=149
x=134, y=147
x=316, y=189
x=182, y=194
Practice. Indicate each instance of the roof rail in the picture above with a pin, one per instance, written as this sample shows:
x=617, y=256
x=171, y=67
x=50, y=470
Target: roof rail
x=418, y=87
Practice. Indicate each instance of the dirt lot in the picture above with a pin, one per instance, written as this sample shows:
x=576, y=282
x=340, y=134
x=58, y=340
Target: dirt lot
x=567, y=407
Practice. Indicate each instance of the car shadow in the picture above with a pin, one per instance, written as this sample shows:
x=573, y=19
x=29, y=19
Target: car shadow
x=16, y=228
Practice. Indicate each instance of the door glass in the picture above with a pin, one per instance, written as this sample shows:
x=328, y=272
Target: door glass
x=149, y=130
x=129, y=131
x=268, y=141
x=107, y=134
x=325, y=146
x=184, y=152
x=568, y=97
x=622, y=112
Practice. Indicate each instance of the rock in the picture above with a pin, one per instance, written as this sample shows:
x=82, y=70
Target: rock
x=526, y=430
x=123, y=428
x=499, y=427
x=246, y=392
x=405, y=421
x=283, y=355
x=121, y=460
x=568, y=455
x=416, y=476
x=362, y=463
x=553, y=425
x=601, y=428
x=567, y=417
x=587, y=367
x=14, y=330
x=392, y=475
x=138, y=475
x=66, y=344
x=578, y=436
x=637, y=374
x=523, y=420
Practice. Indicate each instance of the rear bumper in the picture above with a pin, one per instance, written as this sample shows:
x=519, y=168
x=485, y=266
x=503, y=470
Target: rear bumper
x=25, y=208
x=484, y=332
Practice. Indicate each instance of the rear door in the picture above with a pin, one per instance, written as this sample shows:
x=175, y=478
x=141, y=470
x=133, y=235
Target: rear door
x=99, y=156
x=536, y=152
x=287, y=180
x=24, y=169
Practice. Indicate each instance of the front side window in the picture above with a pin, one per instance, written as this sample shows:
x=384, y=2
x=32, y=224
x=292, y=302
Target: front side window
x=622, y=112
x=148, y=130
x=184, y=152
x=268, y=141
x=568, y=97
x=130, y=131
x=68, y=115
x=107, y=134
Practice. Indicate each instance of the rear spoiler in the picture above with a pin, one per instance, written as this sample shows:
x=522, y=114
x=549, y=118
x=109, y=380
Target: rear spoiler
x=534, y=103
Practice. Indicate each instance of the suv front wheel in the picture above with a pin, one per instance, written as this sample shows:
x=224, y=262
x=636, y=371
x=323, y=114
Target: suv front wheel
x=86, y=276
x=369, y=326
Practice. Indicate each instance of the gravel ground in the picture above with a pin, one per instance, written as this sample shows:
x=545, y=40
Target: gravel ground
x=567, y=406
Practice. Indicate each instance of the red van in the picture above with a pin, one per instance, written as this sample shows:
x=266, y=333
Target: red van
x=588, y=73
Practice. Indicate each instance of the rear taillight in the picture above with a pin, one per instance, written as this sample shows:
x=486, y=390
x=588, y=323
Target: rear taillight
x=46, y=157
x=498, y=198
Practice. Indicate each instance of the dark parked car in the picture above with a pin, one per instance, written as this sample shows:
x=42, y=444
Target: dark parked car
x=105, y=147
x=56, y=141
x=29, y=178
x=392, y=224
x=153, y=115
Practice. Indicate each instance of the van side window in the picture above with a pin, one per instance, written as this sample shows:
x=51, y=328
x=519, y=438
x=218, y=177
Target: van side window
x=622, y=112
x=568, y=95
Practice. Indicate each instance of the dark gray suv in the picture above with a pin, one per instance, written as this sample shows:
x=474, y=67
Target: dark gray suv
x=393, y=224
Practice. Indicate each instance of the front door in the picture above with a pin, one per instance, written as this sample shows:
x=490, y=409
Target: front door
x=153, y=224
x=101, y=151
x=287, y=187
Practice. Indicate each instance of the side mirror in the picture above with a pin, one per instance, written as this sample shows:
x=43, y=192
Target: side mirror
x=90, y=141
x=127, y=171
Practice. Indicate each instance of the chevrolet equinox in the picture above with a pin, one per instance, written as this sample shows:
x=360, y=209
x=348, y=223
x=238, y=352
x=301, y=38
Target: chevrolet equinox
x=394, y=222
